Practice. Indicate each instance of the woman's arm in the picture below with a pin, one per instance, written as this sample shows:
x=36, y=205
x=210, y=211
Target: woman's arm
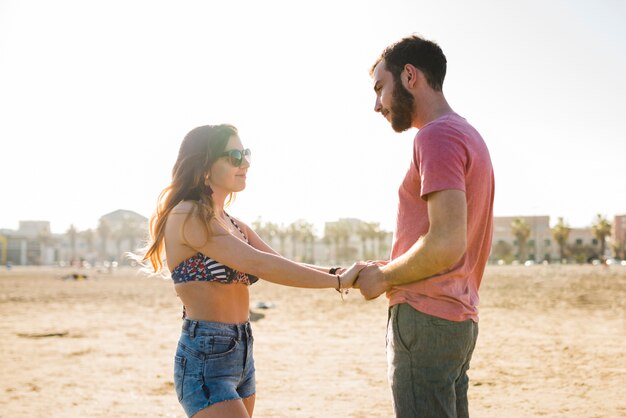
x=257, y=242
x=233, y=252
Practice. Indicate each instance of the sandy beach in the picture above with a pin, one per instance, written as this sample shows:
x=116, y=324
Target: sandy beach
x=552, y=343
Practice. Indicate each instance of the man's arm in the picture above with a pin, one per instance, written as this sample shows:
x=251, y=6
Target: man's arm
x=443, y=245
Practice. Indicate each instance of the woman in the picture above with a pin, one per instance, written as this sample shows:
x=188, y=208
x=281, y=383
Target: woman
x=213, y=258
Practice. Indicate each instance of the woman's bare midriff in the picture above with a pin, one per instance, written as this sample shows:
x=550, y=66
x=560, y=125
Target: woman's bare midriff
x=215, y=302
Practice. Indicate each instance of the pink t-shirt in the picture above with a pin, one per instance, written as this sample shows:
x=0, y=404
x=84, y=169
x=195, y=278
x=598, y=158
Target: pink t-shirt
x=448, y=153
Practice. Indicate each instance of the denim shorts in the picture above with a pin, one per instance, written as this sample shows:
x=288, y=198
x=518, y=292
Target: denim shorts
x=213, y=363
x=428, y=358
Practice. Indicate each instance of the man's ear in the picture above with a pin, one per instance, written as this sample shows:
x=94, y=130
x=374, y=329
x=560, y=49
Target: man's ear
x=410, y=75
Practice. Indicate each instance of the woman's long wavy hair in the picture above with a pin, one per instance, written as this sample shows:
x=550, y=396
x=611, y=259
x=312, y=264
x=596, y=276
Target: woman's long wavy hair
x=200, y=148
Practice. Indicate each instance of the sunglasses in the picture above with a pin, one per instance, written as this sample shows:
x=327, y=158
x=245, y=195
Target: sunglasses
x=236, y=156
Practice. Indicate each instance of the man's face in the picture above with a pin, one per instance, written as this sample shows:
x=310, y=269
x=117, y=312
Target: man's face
x=393, y=100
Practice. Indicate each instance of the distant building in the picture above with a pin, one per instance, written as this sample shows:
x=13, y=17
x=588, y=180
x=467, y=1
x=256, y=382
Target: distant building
x=123, y=218
x=344, y=241
x=34, y=244
x=27, y=245
x=582, y=237
x=540, y=245
x=121, y=231
x=34, y=229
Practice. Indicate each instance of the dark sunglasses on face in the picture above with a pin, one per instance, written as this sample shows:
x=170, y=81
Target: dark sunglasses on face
x=236, y=156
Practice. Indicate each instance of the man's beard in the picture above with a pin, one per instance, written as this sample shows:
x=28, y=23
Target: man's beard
x=402, y=102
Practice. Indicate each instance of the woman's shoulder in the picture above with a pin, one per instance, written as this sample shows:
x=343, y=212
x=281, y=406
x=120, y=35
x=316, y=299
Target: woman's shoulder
x=184, y=207
x=182, y=214
x=187, y=217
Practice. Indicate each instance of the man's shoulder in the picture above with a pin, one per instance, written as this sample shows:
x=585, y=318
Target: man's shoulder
x=449, y=127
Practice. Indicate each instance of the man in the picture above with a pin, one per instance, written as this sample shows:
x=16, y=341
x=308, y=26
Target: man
x=442, y=238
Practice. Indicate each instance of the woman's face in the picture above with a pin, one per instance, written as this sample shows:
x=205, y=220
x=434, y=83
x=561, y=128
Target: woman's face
x=224, y=176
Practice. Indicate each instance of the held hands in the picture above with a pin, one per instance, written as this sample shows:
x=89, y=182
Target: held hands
x=366, y=276
x=349, y=276
x=371, y=281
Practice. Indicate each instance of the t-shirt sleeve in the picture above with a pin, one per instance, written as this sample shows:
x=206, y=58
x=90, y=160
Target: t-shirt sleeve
x=441, y=158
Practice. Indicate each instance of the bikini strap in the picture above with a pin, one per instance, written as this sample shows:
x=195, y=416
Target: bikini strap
x=237, y=226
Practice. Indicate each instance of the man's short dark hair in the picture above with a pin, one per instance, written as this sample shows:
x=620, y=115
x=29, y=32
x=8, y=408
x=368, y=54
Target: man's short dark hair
x=423, y=54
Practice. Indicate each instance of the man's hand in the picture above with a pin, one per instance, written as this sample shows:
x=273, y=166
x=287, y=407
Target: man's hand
x=370, y=282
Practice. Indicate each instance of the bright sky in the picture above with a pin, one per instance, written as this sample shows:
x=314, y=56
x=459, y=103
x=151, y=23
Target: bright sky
x=95, y=98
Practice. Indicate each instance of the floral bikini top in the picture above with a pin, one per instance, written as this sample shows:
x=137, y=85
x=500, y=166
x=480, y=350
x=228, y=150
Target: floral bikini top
x=202, y=268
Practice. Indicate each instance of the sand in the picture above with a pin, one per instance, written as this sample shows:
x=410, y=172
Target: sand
x=552, y=343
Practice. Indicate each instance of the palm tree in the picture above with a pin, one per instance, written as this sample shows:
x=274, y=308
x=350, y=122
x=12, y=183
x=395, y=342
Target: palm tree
x=616, y=250
x=72, y=233
x=89, y=238
x=118, y=236
x=268, y=231
x=293, y=231
x=521, y=231
x=301, y=234
x=3, y=250
x=368, y=232
x=45, y=239
x=502, y=250
x=259, y=227
x=601, y=229
x=344, y=231
x=282, y=233
x=307, y=235
x=331, y=237
x=383, y=237
x=104, y=232
x=133, y=233
x=560, y=233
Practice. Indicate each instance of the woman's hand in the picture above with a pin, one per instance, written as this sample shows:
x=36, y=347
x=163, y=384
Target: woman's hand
x=349, y=276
